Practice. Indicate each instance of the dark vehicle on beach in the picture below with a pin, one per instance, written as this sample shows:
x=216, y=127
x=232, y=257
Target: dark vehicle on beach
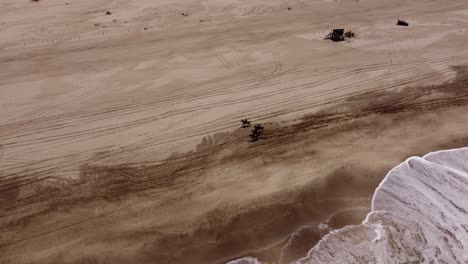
x=402, y=23
x=337, y=35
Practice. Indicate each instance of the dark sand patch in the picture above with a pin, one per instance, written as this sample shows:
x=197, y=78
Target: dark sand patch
x=375, y=120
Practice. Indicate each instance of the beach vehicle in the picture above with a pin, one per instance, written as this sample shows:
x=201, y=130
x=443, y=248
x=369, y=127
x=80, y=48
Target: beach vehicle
x=402, y=23
x=336, y=35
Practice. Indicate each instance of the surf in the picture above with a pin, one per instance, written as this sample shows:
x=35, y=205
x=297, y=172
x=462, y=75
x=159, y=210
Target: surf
x=419, y=214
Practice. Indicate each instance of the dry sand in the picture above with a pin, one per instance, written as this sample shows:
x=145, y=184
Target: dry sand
x=120, y=138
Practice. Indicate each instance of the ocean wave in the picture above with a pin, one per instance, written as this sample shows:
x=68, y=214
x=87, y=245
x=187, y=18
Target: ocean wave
x=246, y=260
x=419, y=215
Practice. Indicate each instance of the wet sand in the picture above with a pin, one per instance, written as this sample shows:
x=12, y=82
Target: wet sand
x=163, y=210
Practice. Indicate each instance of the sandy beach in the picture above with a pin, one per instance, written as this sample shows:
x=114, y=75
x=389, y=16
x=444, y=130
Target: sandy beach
x=120, y=132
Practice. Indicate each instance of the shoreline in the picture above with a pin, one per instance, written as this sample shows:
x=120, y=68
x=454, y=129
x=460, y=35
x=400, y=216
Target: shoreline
x=307, y=236
x=120, y=133
x=432, y=184
x=283, y=210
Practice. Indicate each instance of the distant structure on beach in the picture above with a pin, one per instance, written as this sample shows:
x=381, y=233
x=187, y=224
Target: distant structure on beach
x=337, y=34
x=402, y=23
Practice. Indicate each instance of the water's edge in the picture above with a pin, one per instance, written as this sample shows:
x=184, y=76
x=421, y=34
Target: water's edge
x=419, y=214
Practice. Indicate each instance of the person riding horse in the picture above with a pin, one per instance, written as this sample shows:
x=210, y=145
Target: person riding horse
x=245, y=123
x=258, y=127
x=255, y=135
x=256, y=132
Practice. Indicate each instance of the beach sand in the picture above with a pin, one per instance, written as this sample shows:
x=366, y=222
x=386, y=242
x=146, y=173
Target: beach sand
x=120, y=134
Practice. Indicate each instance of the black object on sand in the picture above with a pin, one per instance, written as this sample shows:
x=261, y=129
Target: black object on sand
x=402, y=23
x=337, y=34
x=245, y=123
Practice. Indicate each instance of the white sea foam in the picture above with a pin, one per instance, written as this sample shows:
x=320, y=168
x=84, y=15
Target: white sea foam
x=419, y=215
x=246, y=260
